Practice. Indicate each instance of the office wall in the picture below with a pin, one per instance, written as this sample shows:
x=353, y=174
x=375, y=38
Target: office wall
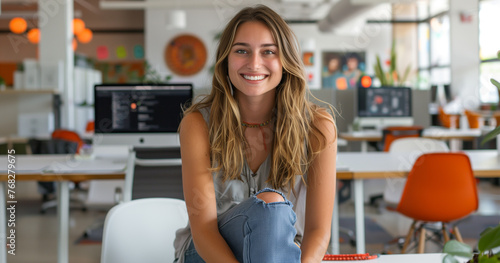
x=205, y=24
x=464, y=49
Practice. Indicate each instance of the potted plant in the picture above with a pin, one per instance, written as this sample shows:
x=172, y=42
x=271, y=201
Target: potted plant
x=152, y=76
x=392, y=77
x=492, y=134
x=489, y=241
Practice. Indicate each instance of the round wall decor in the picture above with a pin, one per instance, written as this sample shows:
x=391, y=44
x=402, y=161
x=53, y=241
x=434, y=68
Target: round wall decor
x=185, y=55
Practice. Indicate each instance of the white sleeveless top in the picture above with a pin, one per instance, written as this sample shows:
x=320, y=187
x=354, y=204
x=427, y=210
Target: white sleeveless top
x=231, y=193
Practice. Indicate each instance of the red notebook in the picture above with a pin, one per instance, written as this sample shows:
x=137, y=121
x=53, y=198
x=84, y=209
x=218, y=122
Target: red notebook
x=345, y=257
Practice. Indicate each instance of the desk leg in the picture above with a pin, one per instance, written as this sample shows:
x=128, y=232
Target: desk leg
x=455, y=145
x=63, y=216
x=364, y=146
x=3, y=224
x=360, y=216
x=334, y=239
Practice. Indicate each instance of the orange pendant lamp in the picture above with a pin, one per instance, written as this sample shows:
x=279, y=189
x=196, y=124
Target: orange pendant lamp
x=18, y=25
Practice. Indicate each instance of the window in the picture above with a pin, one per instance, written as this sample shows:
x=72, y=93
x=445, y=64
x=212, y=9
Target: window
x=489, y=40
x=433, y=44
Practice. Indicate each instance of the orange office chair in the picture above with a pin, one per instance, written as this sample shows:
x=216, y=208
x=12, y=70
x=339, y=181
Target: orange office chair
x=90, y=126
x=389, y=134
x=474, y=119
x=440, y=188
x=67, y=135
x=447, y=120
x=496, y=116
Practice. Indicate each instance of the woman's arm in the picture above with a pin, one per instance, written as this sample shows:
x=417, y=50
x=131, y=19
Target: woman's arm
x=199, y=190
x=321, y=178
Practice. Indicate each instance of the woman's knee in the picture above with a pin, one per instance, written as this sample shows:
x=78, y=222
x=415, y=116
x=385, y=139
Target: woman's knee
x=270, y=197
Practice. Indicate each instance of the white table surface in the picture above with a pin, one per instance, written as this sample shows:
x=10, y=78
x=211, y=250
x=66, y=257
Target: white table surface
x=454, y=136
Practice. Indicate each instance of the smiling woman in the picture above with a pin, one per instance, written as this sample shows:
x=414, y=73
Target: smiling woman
x=253, y=63
x=253, y=150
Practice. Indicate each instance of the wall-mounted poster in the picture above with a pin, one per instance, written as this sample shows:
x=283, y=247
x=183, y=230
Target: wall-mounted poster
x=342, y=70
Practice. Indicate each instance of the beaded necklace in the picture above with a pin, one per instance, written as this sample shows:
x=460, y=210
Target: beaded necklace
x=255, y=125
x=258, y=125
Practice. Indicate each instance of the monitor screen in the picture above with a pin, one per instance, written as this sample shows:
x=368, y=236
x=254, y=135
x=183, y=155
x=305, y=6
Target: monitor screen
x=384, y=102
x=139, y=110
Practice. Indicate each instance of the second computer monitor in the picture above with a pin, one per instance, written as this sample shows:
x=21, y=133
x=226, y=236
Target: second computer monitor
x=384, y=102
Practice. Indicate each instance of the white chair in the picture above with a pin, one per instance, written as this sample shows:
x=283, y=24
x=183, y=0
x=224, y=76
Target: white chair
x=143, y=230
x=412, y=148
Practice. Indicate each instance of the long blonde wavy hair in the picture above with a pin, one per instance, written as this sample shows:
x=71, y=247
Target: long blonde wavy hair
x=295, y=115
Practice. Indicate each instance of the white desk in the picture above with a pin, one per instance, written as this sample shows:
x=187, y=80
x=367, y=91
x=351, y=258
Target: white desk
x=383, y=165
x=61, y=169
x=406, y=258
x=454, y=136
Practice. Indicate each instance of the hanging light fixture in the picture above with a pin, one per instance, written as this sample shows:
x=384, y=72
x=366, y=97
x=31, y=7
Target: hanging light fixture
x=34, y=35
x=74, y=44
x=78, y=26
x=85, y=36
x=18, y=25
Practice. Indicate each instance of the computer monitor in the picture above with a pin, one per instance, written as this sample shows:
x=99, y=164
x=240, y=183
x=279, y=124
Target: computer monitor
x=384, y=102
x=139, y=114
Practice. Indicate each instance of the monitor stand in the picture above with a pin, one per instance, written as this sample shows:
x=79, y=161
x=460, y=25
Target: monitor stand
x=378, y=123
x=159, y=140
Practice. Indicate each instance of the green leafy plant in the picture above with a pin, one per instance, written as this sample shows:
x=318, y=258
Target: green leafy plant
x=391, y=77
x=488, y=241
x=152, y=76
x=2, y=82
x=492, y=134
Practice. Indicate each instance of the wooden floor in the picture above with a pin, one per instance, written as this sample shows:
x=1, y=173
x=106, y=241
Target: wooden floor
x=36, y=239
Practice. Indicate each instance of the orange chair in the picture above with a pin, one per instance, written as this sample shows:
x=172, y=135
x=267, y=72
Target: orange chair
x=474, y=119
x=447, y=120
x=90, y=126
x=67, y=135
x=389, y=134
x=496, y=116
x=440, y=188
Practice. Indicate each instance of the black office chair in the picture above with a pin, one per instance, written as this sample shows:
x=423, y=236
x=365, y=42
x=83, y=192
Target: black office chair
x=48, y=189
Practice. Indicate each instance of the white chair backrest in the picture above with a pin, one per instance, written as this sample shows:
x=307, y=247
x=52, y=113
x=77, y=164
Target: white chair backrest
x=412, y=148
x=142, y=230
x=423, y=145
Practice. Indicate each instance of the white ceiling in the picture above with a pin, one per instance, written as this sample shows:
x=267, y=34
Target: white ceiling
x=290, y=9
x=338, y=11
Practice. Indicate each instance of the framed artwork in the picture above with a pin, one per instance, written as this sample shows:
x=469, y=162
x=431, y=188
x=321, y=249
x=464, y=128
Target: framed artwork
x=342, y=70
x=185, y=55
x=308, y=59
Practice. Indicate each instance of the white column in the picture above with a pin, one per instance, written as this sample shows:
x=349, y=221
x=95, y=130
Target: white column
x=56, y=35
x=464, y=50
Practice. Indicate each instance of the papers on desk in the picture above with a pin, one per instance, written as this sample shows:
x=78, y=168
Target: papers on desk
x=85, y=166
x=366, y=133
x=31, y=163
x=443, y=132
